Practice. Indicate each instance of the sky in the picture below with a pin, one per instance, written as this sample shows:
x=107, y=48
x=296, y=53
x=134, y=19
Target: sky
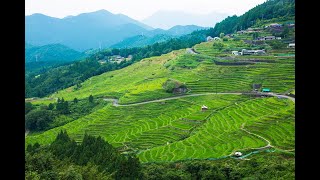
x=137, y=9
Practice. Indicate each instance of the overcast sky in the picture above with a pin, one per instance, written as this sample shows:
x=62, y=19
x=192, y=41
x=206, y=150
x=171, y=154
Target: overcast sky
x=137, y=9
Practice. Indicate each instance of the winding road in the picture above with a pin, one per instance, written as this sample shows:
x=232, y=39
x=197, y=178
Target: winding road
x=115, y=102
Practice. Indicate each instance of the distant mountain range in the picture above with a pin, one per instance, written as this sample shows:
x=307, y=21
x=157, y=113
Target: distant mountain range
x=82, y=32
x=51, y=52
x=169, y=19
x=93, y=30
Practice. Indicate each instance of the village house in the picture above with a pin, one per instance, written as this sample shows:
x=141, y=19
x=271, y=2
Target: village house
x=266, y=38
x=238, y=154
x=291, y=45
x=236, y=53
x=102, y=62
x=217, y=39
x=269, y=38
x=203, y=108
x=274, y=25
x=130, y=57
x=251, y=52
x=241, y=32
x=117, y=58
x=209, y=38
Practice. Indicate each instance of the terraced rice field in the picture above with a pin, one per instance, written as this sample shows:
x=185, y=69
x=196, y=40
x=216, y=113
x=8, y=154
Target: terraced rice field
x=177, y=129
x=221, y=134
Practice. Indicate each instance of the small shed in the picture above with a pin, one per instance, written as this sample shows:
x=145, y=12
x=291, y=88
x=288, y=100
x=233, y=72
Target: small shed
x=238, y=154
x=291, y=45
x=203, y=108
x=217, y=39
x=265, y=90
x=235, y=53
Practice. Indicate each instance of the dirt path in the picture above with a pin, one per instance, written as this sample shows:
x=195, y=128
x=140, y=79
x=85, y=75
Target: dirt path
x=264, y=147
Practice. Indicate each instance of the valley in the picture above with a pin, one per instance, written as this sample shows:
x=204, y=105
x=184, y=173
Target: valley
x=183, y=103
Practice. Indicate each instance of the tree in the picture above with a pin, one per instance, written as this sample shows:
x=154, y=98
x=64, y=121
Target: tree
x=171, y=84
x=255, y=35
x=51, y=106
x=221, y=35
x=218, y=45
x=28, y=107
x=63, y=106
x=285, y=32
x=91, y=99
x=38, y=120
x=75, y=100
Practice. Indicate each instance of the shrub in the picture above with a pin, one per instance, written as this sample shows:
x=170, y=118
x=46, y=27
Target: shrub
x=171, y=84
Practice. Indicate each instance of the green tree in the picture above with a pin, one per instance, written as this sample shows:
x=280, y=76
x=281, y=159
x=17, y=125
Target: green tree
x=255, y=35
x=91, y=99
x=51, y=106
x=218, y=45
x=221, y=35
x=171, y=84
x=285, y=32
x=38, y=120
x=75, y=100
x=28, y=107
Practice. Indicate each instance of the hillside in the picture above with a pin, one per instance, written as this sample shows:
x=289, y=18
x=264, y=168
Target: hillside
x=156, y=36
x=141, y=40
x=177, y=129
x=51, y=52
x=100, y=28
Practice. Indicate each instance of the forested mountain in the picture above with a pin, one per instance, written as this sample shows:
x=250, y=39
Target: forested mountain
x=280, y=9
x=51, y=52
x=141, y=40
x=157, y=35
x=84, y=31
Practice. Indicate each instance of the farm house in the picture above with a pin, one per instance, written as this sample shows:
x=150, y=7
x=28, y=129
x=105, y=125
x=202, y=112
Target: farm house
x=209, y=38
x=203, y=108
x=235, y=53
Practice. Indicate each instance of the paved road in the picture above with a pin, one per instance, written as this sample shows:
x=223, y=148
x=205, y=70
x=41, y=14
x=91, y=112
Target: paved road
x=115, y=102
x=280, y=96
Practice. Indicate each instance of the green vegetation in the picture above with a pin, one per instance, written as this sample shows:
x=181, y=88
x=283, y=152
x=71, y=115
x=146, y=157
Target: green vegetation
x=43, y=117
x=92, y=159
x=263, y=165
x=172, y=84
x=272, y=10
x=172, y=135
